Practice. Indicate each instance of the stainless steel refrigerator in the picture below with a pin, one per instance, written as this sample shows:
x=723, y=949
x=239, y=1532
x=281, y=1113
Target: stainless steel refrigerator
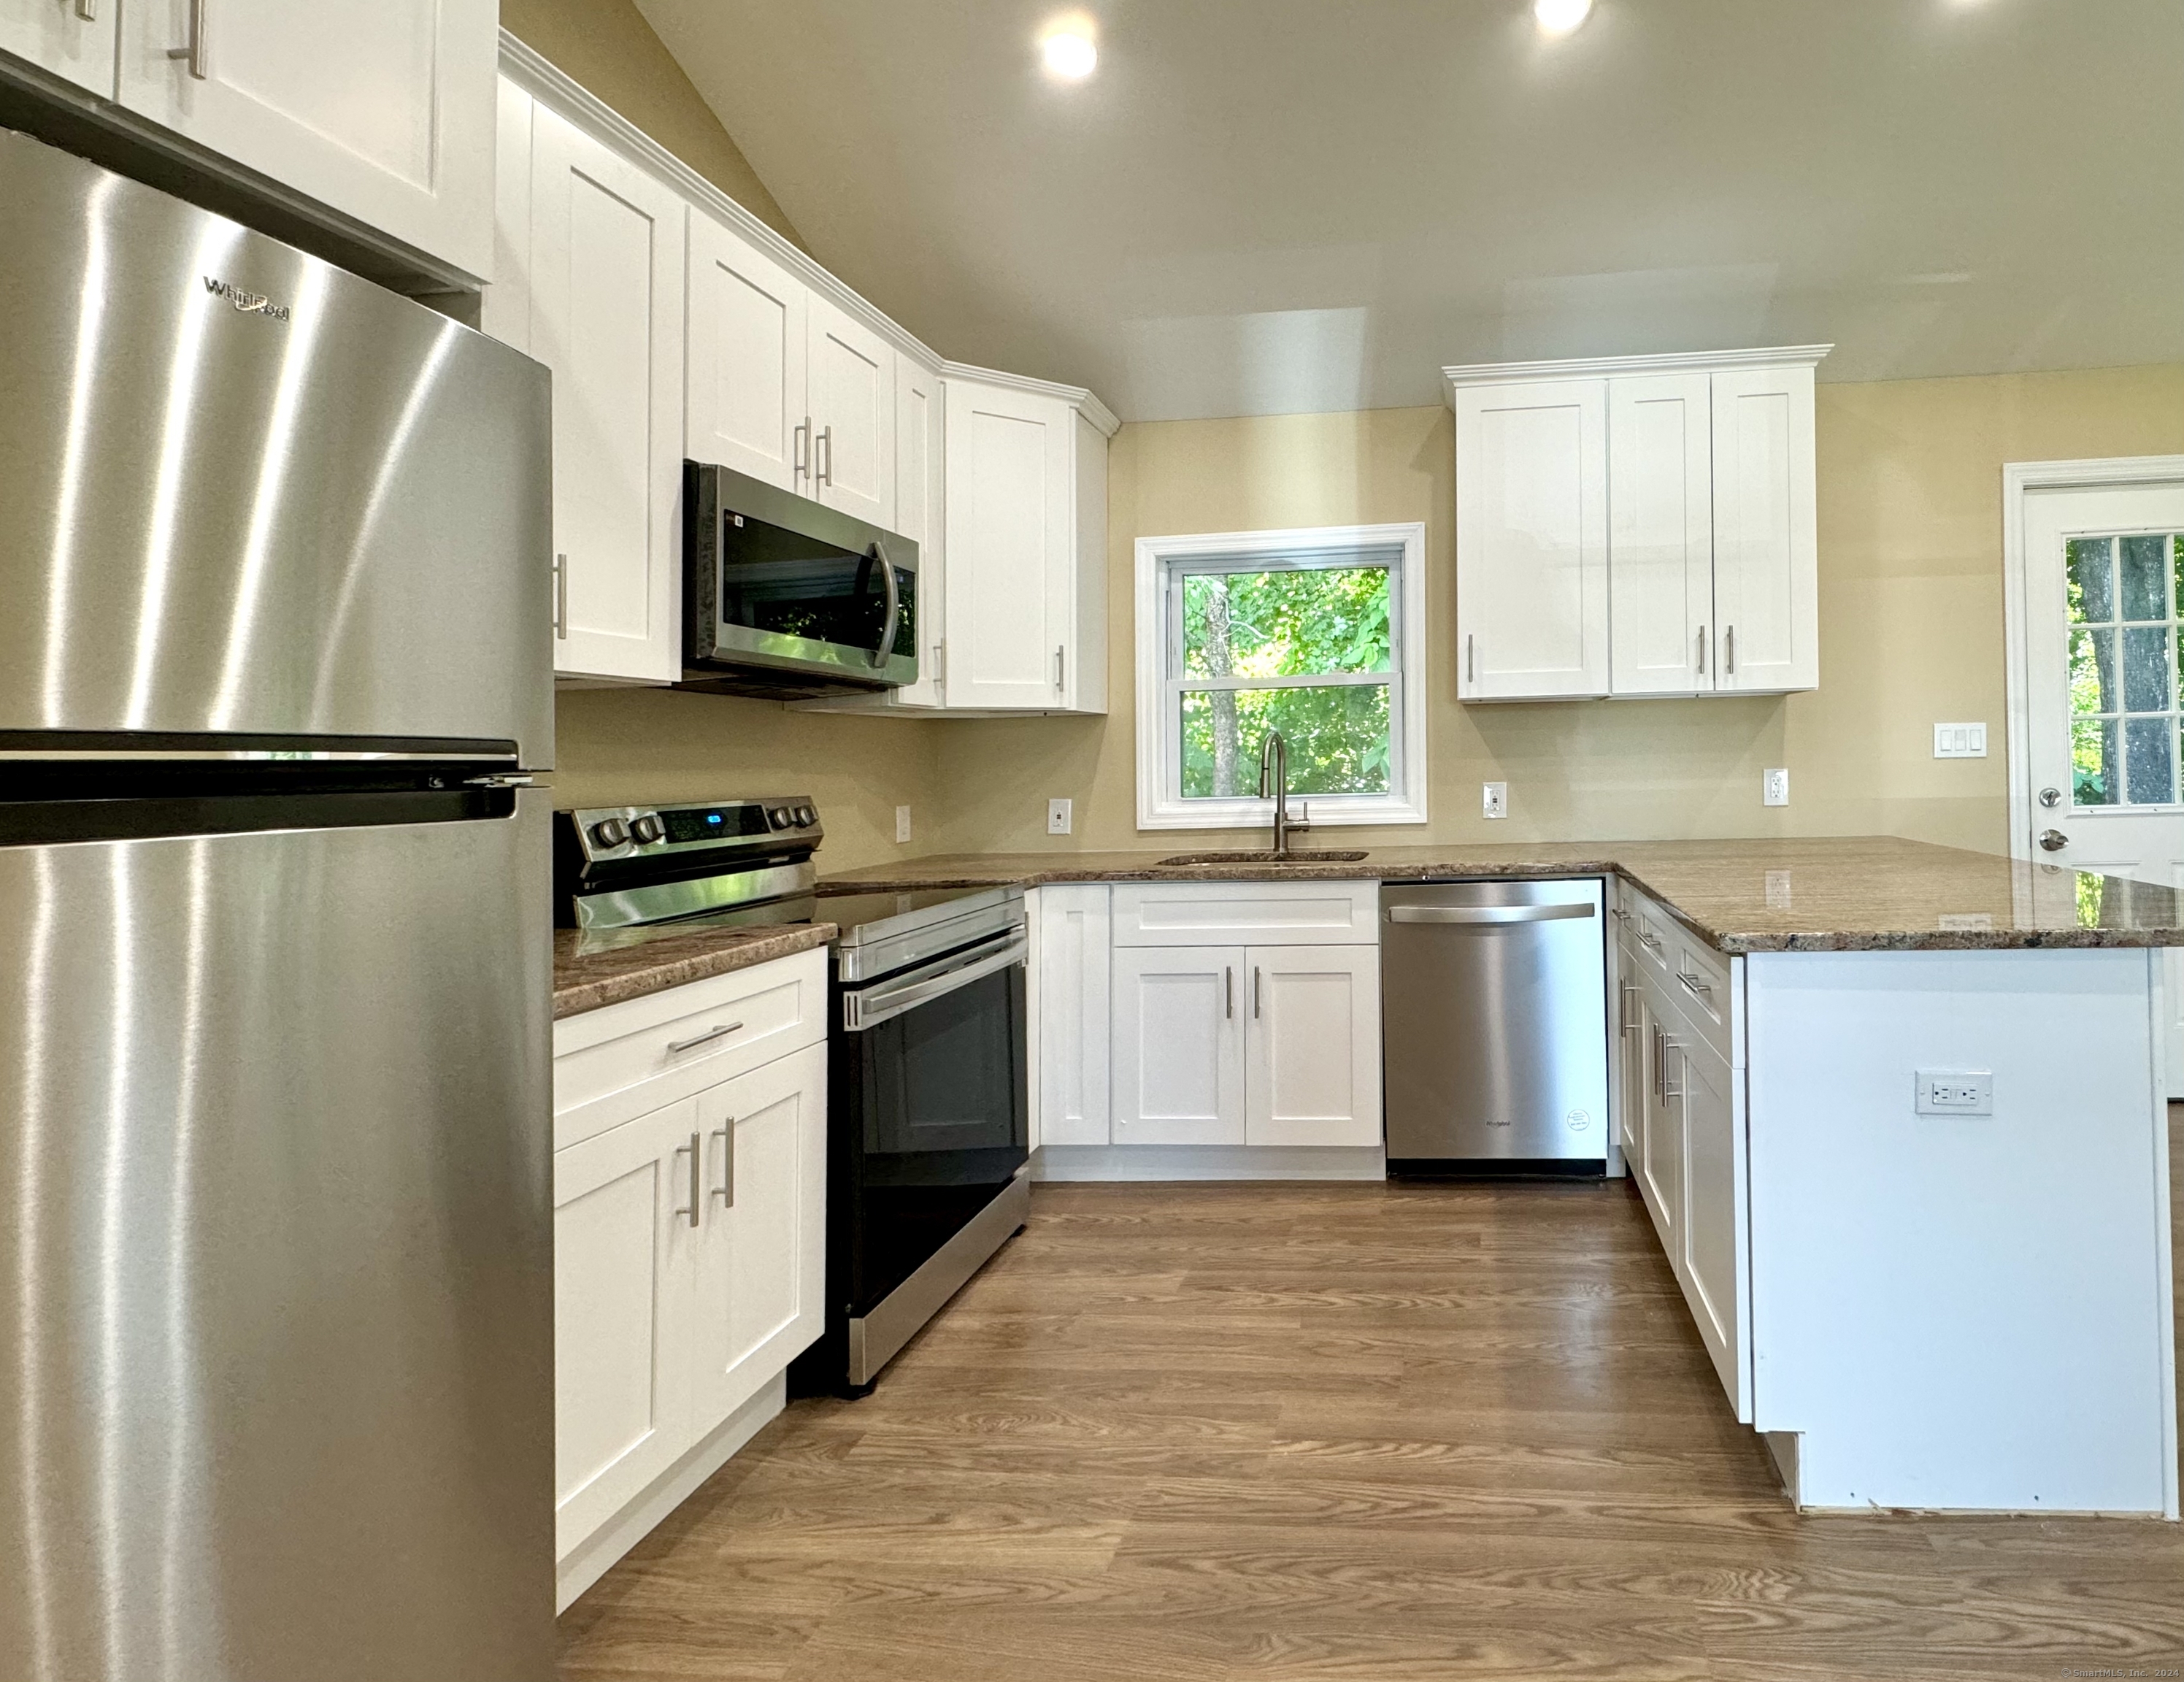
x=275, y=1250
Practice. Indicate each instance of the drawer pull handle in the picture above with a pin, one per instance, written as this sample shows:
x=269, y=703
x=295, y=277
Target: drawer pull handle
x=677, y=1047
x=1694, y=983
x=1651, y=942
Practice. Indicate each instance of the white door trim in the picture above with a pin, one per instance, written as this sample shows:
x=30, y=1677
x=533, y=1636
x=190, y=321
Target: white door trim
x=2018, y=478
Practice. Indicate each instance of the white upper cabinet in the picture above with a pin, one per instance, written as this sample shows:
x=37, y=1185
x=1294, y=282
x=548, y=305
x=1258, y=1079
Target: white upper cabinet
x=382, y=109
x=606, y=281
x=1661, y=586
x=747, y=357
x=1637, y=526
x=1026, y=525
x=72, y=38
x=1765, y=538
x=1531, y=540
x=851, y=399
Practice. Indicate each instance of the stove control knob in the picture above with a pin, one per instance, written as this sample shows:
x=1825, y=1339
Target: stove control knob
x=609, y=832
x=647, y=829
x=806, y=817
x=781, y=817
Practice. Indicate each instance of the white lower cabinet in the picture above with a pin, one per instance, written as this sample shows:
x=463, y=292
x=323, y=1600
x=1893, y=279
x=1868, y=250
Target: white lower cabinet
x=1661, y=1163
x=1311, y=1046
x=1716, y=1213
x=1072, y=1013
x=1178, y=1045
x=689, y=1254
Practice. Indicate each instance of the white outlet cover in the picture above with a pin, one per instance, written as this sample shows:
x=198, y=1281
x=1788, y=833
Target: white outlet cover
x=902, y=823
x=1954, y=1092
x=1059, y=816
x=1493, y=799
x=1960, y=740
x=1774, y=786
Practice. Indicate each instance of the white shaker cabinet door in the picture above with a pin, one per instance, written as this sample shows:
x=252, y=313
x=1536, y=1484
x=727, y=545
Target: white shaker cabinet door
x=852, y=402
x=1178, y=1045
x=1010, y=570
x=623, y=1249
x=73, y=39
x=1312, y=1045
x=1531, y=540
x=1766, y=542
x=747, y=325
x=1073, y=1015
x=1661, y=503
x=920, y=461
x=1714, y=1269
x=606, y=316
x=762, y=1245
x=382, y=109
x=1660, y=1167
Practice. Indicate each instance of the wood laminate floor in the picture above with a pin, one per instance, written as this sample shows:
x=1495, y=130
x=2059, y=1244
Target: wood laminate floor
x=1219, y=1433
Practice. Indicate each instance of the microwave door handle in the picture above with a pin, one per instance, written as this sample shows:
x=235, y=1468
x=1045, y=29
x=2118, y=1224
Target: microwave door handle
x=886, y=649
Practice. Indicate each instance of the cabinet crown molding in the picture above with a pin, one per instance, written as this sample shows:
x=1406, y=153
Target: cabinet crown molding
x=1083, y=401
x=1602, y=367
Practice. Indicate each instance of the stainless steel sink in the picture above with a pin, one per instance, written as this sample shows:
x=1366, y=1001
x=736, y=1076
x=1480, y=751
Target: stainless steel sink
x=1296, y=856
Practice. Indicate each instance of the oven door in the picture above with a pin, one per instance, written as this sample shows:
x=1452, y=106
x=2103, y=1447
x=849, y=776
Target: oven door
x=932, y=1117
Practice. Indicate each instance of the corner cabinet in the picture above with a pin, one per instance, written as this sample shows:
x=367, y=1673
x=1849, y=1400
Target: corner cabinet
x=1636, y=526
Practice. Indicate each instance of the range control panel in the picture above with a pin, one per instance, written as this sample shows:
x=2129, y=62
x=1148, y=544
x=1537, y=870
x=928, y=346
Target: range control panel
x=606, y=832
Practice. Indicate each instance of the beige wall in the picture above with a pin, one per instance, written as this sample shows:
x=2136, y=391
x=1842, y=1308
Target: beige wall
x=609, y=48
x=1911, y=628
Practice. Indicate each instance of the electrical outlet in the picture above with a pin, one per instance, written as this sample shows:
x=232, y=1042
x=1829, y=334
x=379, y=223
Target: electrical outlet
x=902, y=823
x=1496, y=799
x=1058, y=814
x=1960, y=740
x=1777, y=890
x=1955, y=1092
x=1774, y=786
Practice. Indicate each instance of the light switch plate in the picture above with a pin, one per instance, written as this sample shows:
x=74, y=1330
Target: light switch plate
x=902, y=823
x=1955, y=1092
x=1960, y=740
x=1058, y=816
x=1495, y=801
x=1774, y=786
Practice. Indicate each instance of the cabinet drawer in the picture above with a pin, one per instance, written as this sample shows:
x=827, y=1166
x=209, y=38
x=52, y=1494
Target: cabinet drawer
x=614, y=1064
x=1692, y=1015
x=1237, y=913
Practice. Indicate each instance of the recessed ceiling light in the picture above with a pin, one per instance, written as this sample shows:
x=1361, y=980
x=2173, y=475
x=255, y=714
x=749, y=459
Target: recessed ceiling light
x=1070, y=55
x=1560, y=17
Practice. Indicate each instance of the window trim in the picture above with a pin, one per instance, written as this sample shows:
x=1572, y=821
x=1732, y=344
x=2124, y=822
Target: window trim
x=1160, y=802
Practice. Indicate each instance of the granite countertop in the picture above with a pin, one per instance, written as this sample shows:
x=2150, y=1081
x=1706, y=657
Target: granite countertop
x=592, y=968
x=1861, y=894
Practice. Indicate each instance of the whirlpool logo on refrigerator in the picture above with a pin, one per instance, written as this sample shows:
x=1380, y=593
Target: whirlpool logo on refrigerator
x=248, y=302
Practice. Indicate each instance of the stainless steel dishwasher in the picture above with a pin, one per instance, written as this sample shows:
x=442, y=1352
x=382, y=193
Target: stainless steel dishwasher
x=1494, y=1027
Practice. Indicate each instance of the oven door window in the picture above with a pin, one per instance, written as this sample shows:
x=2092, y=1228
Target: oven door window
x=787, y=585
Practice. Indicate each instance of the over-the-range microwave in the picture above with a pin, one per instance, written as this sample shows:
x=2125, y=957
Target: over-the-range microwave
x=786, y=597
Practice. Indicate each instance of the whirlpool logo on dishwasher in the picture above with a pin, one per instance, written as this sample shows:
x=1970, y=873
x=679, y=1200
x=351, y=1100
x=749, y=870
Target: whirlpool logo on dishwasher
x=248, y=302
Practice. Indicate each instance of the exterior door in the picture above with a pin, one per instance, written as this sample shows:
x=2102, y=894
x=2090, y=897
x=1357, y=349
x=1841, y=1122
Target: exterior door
x=606, y=313
x=1531, y=540
x=72, y=38
x=761, y=1248
x=1178, y=1045
x=381, y=109
x=1312, y=1045
x=745, y=407
x=1009, y=562
x=1766, y=533
x=852, y=404
x=623, y=1250
x=2103, y=607
x=1661, y=507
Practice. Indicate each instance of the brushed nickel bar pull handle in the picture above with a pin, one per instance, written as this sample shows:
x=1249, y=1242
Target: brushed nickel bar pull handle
x=87, y=10
x=1061, y=665
x=677, y=1047
x=1228, y=991
x=195, y=52
x=1255, y=993
x=1728, y=652
x=561, y=597
x=1470, y=658
x=826, y=475
x=726, y=1191
x=1694, y=983
x=697, y=1202
x=1629, y=1019
x=799, y=464
x=1669, y=1043
x=1703, y=630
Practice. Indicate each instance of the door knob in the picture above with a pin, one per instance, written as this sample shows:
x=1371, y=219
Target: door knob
x=2051, y=798
x=2053, y=840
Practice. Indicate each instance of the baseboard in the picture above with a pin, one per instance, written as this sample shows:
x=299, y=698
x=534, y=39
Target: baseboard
x=1782, y=1449
x=592, y=1559
x=1209, y=1162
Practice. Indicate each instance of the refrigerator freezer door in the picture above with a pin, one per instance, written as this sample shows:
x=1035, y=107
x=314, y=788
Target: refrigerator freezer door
x=243, y=492
x=276, y=1345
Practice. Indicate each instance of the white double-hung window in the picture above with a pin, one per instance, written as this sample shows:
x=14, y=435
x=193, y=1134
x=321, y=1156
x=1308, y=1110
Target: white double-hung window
x=1318, y=634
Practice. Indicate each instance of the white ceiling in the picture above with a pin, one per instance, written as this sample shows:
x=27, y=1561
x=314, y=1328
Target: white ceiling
x=1274, y=206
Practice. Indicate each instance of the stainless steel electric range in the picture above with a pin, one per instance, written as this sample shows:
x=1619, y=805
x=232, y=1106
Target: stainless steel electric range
x=928, y=1105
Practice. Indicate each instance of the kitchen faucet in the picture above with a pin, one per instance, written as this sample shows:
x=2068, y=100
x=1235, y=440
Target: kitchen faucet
x=1274, y=768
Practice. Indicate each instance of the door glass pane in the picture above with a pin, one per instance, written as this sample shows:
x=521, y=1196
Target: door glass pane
x=2146, y=669
x=2092, y=588
x=2147, y=754
x=2145, y=582
x=2095, y=779
x=2093, y=672
x=1338, y=737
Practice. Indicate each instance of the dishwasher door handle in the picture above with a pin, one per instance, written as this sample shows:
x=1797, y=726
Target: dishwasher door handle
x=1476, y=916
